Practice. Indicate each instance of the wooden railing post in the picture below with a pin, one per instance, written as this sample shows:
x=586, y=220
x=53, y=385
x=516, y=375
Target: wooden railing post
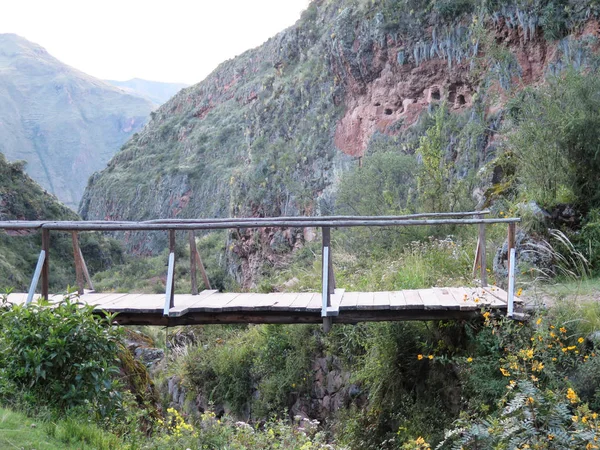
x=482, y=253
x=193, y=277
x=326, y=278
x=36, y=277
x=46, y=265
x=511, y=242
x=172, y=275
x=78, y=263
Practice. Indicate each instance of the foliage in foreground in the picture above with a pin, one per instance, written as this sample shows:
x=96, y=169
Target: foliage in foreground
x=61, y=356
x=544, y=366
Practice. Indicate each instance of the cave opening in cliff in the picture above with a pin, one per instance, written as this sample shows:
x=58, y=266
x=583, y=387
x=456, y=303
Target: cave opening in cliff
x=435, y=94
x=388, y=112
x=461, y=100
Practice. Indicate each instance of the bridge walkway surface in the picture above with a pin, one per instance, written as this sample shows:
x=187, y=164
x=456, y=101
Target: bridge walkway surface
x=213, y=307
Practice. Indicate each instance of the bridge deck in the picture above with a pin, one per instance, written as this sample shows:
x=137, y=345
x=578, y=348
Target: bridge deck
x=210, y=307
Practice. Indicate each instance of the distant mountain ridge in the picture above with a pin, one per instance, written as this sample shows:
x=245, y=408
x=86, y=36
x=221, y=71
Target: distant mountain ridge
x=65, y=124
x=156, y=91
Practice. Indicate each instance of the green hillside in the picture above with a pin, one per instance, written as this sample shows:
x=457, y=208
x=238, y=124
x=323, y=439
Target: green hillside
x=362, y=107
x=64, y=123
x=22, y=199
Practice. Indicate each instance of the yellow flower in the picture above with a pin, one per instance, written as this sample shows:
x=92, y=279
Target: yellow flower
x=539, y=321
x=575, y=418
x=505, y=372
x=469, y=359
x=430, y=356
x=420, y=441
x=476, y=300
x=580, y=340
x=530, y=400
x=486, y=315
x=572, y=396
x=419, y=357
x=537, y=366
x=571, y=347
x=562, y=329
x=584, y=419
x=550, y=437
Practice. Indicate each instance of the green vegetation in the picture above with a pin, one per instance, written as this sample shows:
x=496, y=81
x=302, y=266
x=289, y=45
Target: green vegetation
x=22, y=199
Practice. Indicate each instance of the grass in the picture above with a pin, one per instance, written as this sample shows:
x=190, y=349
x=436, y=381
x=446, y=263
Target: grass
x=20, y=432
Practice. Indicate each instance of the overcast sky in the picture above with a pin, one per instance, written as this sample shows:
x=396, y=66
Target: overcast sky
x=161, y=40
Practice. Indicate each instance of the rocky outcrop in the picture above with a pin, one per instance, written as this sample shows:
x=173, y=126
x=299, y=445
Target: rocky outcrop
x=270, y=132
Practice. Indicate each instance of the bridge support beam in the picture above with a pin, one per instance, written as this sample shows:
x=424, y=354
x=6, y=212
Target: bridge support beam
x=46, y=265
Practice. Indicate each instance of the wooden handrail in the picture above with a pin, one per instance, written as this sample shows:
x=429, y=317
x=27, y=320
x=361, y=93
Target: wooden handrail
x=245, y=223
x=323, y=222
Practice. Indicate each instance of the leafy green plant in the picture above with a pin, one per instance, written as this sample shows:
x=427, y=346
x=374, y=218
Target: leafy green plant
x=60, y=355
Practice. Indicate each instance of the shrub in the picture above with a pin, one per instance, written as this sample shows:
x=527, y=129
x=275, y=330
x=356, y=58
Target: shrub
x=59, y=355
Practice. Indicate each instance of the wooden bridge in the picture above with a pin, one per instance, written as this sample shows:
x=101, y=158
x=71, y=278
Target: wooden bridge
x=329, y=306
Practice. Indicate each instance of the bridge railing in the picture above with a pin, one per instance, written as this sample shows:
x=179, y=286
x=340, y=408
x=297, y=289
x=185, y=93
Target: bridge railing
x=326, y=223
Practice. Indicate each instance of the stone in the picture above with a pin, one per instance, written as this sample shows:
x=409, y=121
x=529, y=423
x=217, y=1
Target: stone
x=527, y=257
x=149, y=356
x=334, y=382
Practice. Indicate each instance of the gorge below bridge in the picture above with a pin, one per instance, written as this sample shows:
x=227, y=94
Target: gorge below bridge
x=330, y=305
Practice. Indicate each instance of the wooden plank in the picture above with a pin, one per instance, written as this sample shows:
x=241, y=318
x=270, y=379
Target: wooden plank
x=213, y=303
x=462, y=297
x=337, y=296
x=142, y=303
x=302, y=301
x=349, y=301
x=413, y=299
x=397, y=300
x=381, y=300
x=500, y=295
x=430, y=300
x=244, y=302
x=365, y=300
x=106, y=301
x=182, y=308
x=19, y=298
x=446, y=299
x=315, y=304
x=279, y=300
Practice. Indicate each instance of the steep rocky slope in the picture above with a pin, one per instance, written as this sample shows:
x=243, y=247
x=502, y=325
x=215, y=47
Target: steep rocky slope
x=155, y=91
x=272, y=131
x=21, y=198
x=64, y=123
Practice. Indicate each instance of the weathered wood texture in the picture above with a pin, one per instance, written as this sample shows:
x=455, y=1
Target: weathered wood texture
x=210, y=306
x=216, y=224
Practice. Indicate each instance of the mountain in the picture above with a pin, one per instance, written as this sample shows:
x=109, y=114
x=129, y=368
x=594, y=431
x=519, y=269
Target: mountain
x=63, y=123
x=155, y=91
x=328, y=115
x=21, y=198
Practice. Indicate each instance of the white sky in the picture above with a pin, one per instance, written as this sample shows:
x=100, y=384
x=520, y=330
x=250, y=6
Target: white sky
x=161, y=40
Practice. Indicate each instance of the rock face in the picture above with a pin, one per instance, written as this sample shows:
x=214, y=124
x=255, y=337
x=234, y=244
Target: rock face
x=63, y=123
x=270, y=132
